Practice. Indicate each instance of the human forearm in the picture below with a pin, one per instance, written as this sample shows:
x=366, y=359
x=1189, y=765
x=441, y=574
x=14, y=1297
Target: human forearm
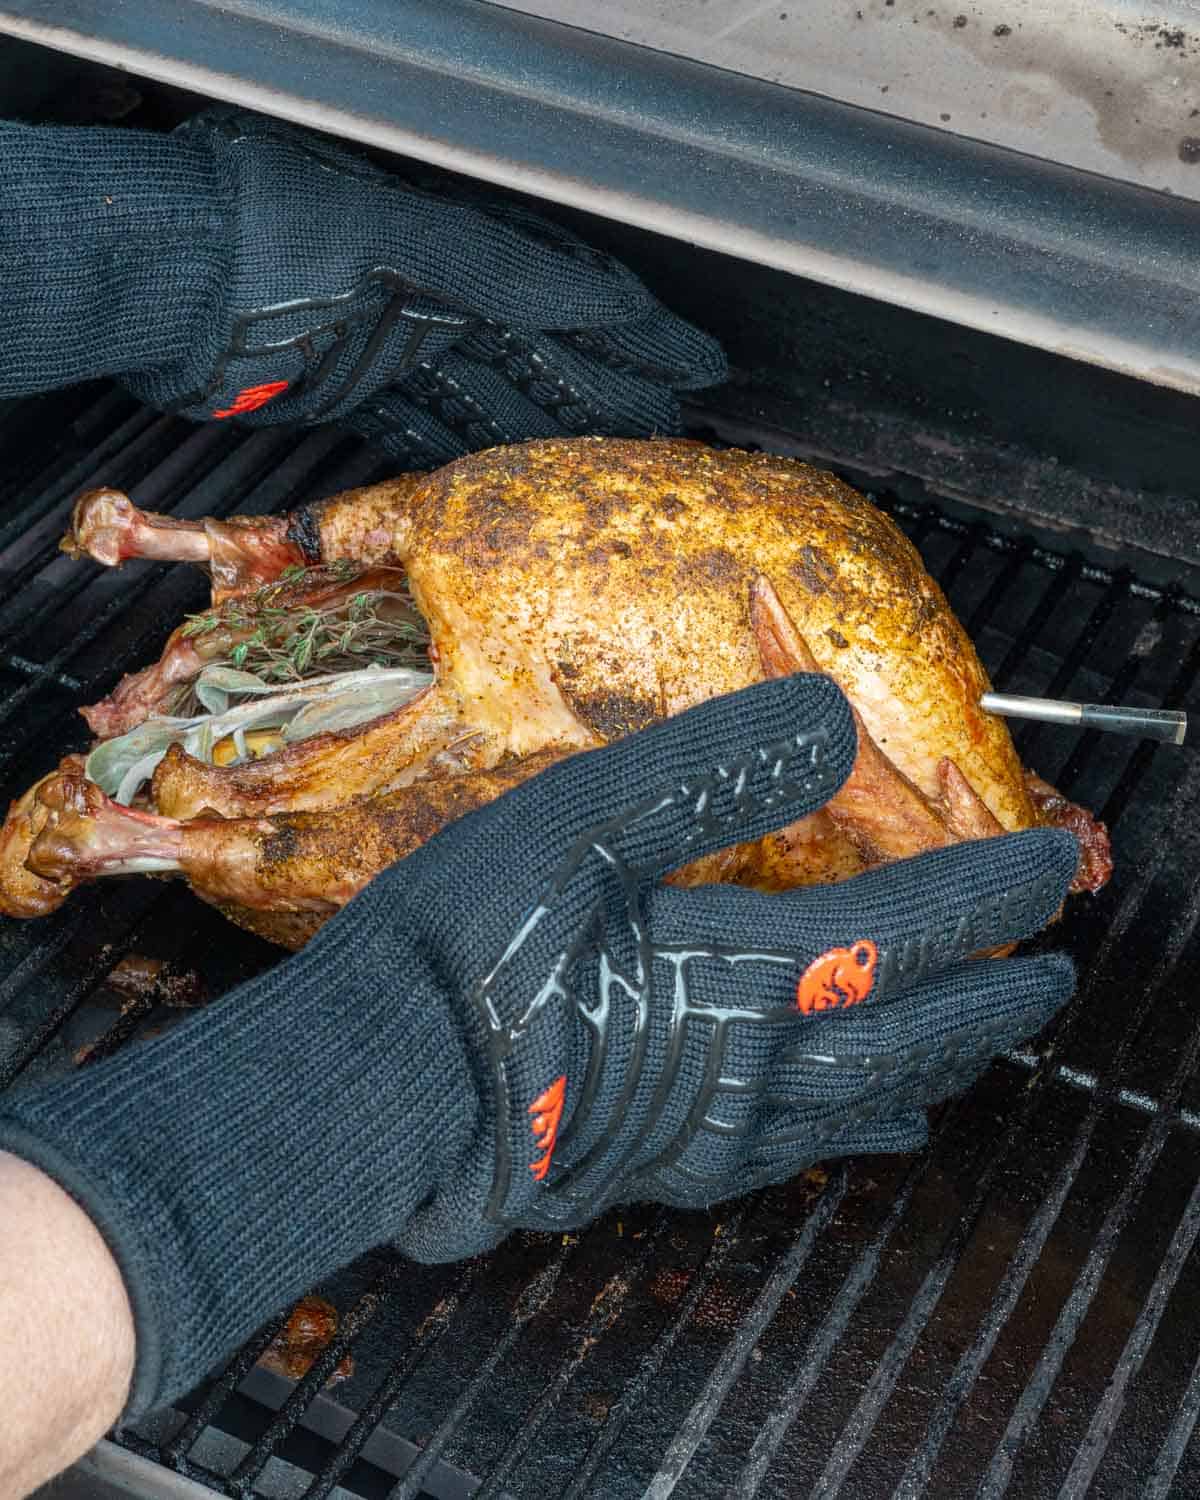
x=66, y=1328
x=234, y=1162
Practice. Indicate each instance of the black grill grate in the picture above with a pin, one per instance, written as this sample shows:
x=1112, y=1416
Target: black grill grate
x=1007, y=1313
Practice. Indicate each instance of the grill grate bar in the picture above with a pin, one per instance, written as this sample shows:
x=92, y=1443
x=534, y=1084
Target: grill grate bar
x=27, y=519
x=1159, y=1483
x=792, y=1398
x=890, y=1368
x=922, y=520
x=952, y=570
x=431, y=1330
x=1104, y=1419
x=310, y=1386
x=56, y=932
x=116, y=591
x=528, y=1304
x=605, y=1309
x=1057, y=588
x=1044, y=557
x=1089, y=1083
x=37, y=551
x=962, y=1381
x=1119, y=688
x=27, y=668
x=973, y=1359
x=981, y=615
x=175, y=1450
x=109, y=611
x=695, y=1425
x=1081, y=649
x=78, y=989
x=1180, y=691
x=133, y=1012
x=1038, y=1388
x=652, y=1361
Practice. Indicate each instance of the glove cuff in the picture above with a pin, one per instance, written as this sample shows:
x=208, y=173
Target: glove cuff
x=140, y=270
x=235, y=1162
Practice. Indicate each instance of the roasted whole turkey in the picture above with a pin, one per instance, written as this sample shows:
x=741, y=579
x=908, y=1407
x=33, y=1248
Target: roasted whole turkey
x=299, y=737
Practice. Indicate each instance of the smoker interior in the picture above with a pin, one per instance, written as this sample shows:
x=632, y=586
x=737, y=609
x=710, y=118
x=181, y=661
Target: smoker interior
x=1009, y=1312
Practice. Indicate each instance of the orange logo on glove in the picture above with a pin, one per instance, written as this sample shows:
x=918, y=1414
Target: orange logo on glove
x=545, y=1116
x=253, y=397
x=840, y=977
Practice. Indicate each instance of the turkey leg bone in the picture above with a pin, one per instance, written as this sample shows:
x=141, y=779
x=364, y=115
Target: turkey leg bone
x=242, y=552
x=291, y=862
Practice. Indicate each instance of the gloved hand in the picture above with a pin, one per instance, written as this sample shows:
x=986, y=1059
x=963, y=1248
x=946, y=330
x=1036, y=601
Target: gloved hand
x=521, y=1025
x=245, y=269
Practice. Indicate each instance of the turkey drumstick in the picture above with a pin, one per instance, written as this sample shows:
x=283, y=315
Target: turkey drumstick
x=305, y=863
x=572, y=591
x=241, y=552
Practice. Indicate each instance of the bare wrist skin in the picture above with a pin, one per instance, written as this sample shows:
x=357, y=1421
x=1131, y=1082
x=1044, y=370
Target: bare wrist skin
x=66, y=1330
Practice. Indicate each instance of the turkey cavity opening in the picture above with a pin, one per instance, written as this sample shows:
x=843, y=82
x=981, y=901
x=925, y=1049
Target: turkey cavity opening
x=308, y=654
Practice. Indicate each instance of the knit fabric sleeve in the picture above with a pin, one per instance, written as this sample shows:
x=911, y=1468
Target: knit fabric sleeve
x=116, y=246
x=231, y=1164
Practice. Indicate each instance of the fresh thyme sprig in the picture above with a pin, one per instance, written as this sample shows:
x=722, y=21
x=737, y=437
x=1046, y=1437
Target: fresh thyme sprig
x=281, y=635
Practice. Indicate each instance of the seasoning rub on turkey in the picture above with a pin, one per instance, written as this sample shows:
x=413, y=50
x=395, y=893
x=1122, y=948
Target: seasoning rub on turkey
x=572, y=592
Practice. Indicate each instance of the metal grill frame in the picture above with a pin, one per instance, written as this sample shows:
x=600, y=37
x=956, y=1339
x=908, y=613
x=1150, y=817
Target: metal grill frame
x=269, y=471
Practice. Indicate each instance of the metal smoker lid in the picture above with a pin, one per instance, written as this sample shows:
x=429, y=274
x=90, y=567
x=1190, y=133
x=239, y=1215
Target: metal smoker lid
x=774, y=156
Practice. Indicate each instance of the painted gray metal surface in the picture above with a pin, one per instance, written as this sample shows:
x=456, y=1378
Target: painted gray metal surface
x=110, y=1473
x=1079, y=264
x=1107, y=86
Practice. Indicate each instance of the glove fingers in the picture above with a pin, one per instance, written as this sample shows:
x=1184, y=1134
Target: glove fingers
x=504, y=263
x=662, y=348
x=852, y=1087
x=430, y=421
x=883, y=1137
x=462, y=405
x=584, y=395
x=778, y=1155
x=907, y=1132
x=778, y=1145
x=544, y=266
x=527, y=397
x=731, y=769
x=877, y=1062
x=831, y=946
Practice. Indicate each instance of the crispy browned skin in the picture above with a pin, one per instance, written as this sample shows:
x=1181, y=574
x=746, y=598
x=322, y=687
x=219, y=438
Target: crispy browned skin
x=22, y=893
x=282, y=876
x=358, y=524
x=307, y=862
x=324, y=771
x=1095, y=853
x=576, y=591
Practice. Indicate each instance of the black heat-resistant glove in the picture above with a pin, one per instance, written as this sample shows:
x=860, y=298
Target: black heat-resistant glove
x=519, y=1025
x=244, y=269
